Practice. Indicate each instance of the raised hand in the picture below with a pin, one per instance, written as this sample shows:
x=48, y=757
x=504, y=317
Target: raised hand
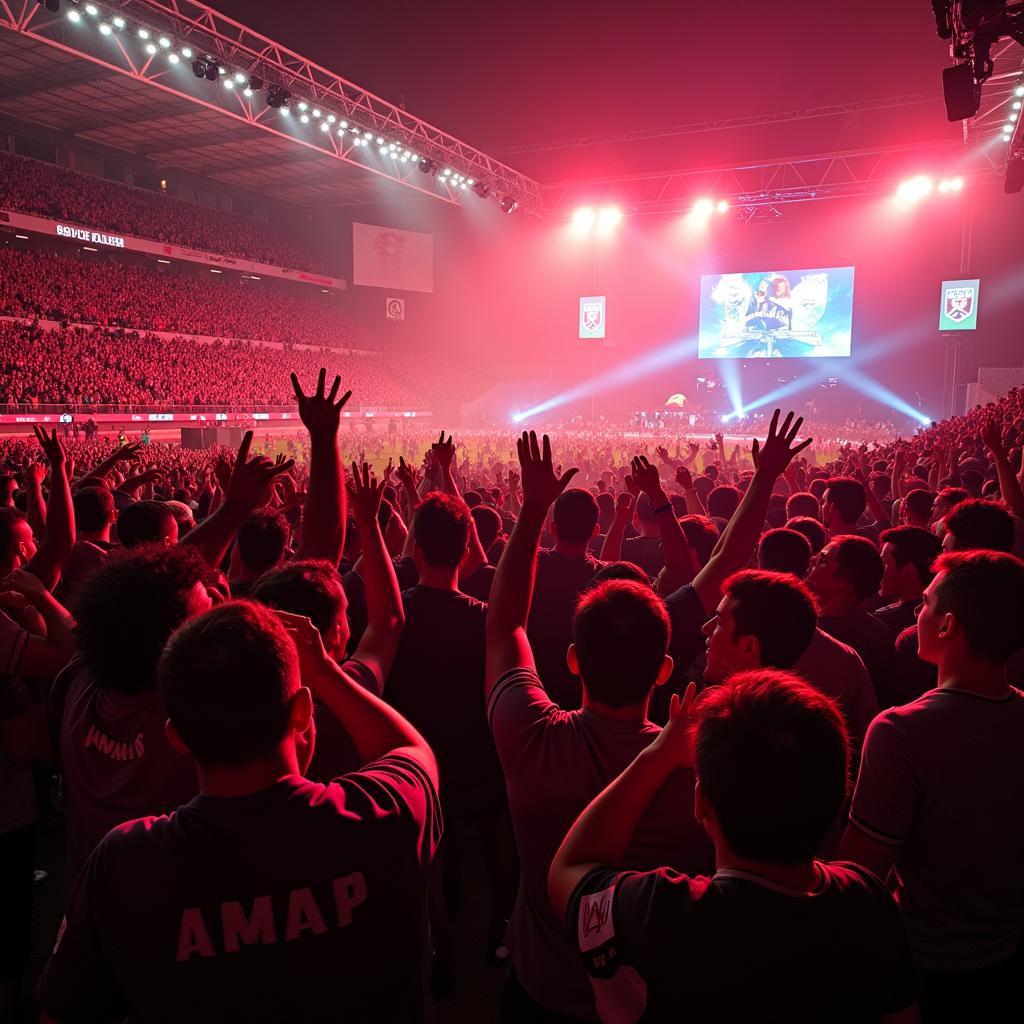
x=645, y=477
x=444, y=451
x=320, y=414
x=51, y=445
x=365, y=492
x=674, y=743
x=251, y=479
x=684, y=478
x=541, y=485
x=35, y=473
x=624, y=506
x=992, y=435
x=408, y=476
x=778, y=450
x=314, y=660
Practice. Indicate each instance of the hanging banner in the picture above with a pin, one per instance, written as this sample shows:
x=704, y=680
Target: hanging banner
x=592, y=316
x=958, y=309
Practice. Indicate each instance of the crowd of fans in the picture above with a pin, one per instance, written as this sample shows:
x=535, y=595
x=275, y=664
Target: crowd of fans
x=81, y=368
x=737, y=733
x=67, y=287
x=31, y=186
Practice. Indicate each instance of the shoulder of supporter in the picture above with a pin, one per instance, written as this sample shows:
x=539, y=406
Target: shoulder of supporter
x=518, y=706
x=368, y=678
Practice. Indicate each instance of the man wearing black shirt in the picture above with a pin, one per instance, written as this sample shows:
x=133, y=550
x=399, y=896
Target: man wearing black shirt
x=267, y=897
x=907, y=556
x=774, y=934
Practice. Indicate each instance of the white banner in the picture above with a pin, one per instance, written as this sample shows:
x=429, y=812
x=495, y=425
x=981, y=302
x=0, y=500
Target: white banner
x=592, y=316
x=394, y=309
x=384, y=257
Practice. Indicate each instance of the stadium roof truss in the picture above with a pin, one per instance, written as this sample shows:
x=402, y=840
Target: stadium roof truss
x=88, y=71
x=758, y=190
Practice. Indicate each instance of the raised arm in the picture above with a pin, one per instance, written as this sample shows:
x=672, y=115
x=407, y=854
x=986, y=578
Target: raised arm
x=385, y=615
x=48, y=562
x=245, y=490
x=35, y=506
x=1009, y=485
x=739, y=538
x=323, y=523
x=611, y=550
x=123, y=453
x=694, y=506
x=444, y=455
x=512, y=589
x=674, y=545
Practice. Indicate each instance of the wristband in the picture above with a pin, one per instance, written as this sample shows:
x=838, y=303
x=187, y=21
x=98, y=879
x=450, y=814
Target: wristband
x=662, y=508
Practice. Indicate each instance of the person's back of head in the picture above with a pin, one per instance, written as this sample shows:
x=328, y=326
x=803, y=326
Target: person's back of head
x=976, y=525
x=262, y=540
x=619, y=571
x=972, y=481
x=917, y=506
x=605, y=510
x=817, y=487
x=702, y=535
x=784, y=550
x=440, y=528
x=128, y=608
x=17, y=544
x=802, y=503
x=703, y=485
x=94, y=509
x=976, y=601
x=860, y=564
x=620, y=635
x=772, y=761
x=765, y=619
x=844, y=502
x=228, y=680
x=912, y=546
x=811, y=529
x=723, y=501
x=146, y=522
x=488, y=525
x=948, y=498
x=575, y=516
x=309, y=587
x=472, y=498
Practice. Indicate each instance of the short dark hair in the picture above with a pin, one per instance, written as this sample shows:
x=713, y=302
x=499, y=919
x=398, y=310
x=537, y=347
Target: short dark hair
x=954, y=495
x=859, y=563
x=772, y=756
x=262, y=539
x=702, y=535
x=472, y=498
x=723, y=501
x=310, y=587
x=849, y=496
x=802, y=503
x=621, y=632
x=811, y=529
x=914, y=545
x=138, y=596
x=979, y=525
x=8, y=517
x=984, y=590
x=488, y=524
x=226, y=679
x=919, y=502
x=143, y=522
x=94, y=508
x=575, y=515
x=777, y=609
x=784, y=550
x=440, y=527
x=620, y=571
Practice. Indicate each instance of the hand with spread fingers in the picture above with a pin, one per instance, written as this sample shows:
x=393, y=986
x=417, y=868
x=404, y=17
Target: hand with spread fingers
x=319, y=412
x=778, y=450
x=541, y=484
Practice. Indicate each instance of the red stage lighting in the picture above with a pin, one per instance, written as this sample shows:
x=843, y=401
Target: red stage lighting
x=584, y=218
x=914, y=189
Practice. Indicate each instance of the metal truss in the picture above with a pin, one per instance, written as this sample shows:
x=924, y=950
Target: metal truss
x=722, y=124
x=238, y=48
x=755, y=191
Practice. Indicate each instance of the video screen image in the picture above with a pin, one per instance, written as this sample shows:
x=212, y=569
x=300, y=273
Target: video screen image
x=776, y=314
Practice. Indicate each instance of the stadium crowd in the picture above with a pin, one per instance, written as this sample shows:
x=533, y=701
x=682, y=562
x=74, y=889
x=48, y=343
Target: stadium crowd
x=737, y=732
x=102, y=291
x=32, y=186
x=80, y=367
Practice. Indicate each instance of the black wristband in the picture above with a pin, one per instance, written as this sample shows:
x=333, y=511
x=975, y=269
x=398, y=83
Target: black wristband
x=662, y=508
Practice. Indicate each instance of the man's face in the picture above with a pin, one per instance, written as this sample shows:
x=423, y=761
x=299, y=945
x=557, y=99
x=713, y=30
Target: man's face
x=198, y=600
x=24, y=547
x=824, y=578
x=892, y=575
x=725, y=653
x=929, y=622
x=948, y=541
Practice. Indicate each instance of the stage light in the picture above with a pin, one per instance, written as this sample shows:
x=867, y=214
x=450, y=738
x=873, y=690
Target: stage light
x=367, y=135
x=331, y=119
x=212, y=71
x=913, y=189
x=228, y=83
x=221, y=71
x=277, y=97
x=304, y=119
x=1012, y=117
x=427, y=166
x=1016, y=104
x=303, y=106
x=143, y=33
x=703, y=208
x=609, y=216
x=186, y=52
x=92, y=10
x=150, y=49
x=723, y=206
x=584, y=218
x=470, y=182
x=316, y=112
x=324, y=126
x=119, y=22
x=165, y=43
x=446, y=172
x=105, y=29
x=1019, y=91
x=173, y=58
x=285, y=112
x=343, y=124
x=247, y=92
x=508, y=204
x=74, y=16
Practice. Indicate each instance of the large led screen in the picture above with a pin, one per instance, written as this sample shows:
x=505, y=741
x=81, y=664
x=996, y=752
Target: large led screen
x=776, y=314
